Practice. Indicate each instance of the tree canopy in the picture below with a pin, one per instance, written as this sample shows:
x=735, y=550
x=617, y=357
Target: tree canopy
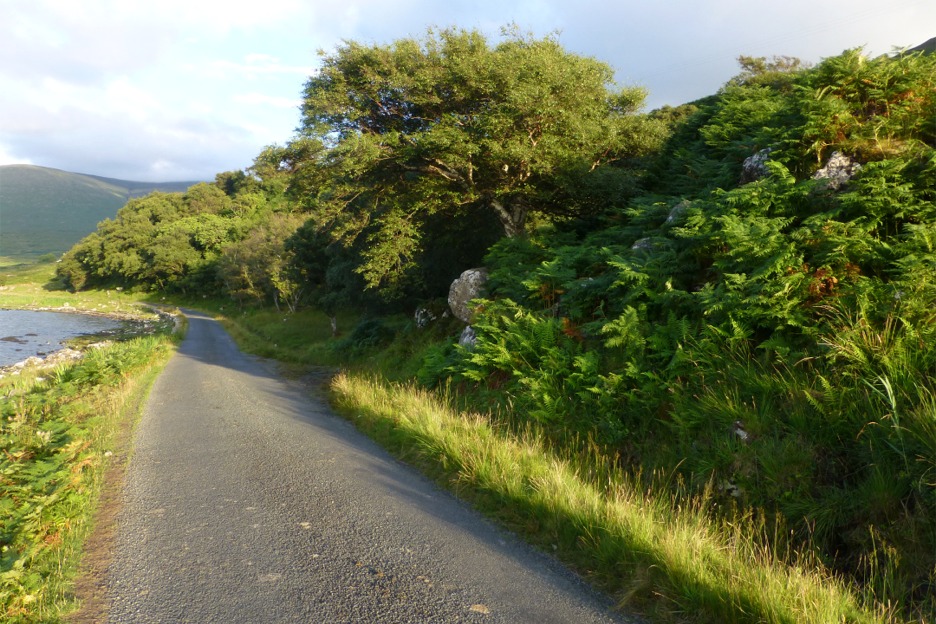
x=453, y=124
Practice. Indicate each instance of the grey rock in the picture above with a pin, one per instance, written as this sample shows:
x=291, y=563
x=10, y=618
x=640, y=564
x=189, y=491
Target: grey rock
x=467, y=287
x=678, y=212
x=423, y=317
x=468, y=338
x=741, y=432
x=755, y=167
x=642, y=244
x=837, y=172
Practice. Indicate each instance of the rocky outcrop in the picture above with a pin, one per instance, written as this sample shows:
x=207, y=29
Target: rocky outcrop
x=755, y=167
x=467, y=287
x=837, y=172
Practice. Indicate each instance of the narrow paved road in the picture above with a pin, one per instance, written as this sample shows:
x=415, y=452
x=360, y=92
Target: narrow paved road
x=247, y=501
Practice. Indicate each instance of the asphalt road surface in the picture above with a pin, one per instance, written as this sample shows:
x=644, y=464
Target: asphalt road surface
x=246, y=500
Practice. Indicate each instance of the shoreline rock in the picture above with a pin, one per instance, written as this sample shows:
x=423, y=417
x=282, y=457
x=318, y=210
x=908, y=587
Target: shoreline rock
x=39, y=363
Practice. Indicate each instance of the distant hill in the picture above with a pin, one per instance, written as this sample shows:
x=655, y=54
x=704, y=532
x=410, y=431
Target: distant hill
x=45, y=210
x=926, y=46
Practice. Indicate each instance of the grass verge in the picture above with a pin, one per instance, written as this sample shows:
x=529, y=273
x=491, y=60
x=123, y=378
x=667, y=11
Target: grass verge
x=58, y=428
x=299, y=338
x=670, y=561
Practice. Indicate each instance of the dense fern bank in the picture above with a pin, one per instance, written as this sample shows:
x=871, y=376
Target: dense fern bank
x=772, y=339
x=751, y=341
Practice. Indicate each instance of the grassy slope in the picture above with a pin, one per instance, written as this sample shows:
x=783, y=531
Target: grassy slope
x=46, y=210
x=58, y=428
x=34, y=286
x=672, y=562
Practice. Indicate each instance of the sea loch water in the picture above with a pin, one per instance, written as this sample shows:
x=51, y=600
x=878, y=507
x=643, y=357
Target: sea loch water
x=25, y=333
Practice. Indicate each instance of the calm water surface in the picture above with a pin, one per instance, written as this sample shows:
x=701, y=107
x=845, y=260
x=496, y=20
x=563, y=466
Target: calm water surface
x=25, y=333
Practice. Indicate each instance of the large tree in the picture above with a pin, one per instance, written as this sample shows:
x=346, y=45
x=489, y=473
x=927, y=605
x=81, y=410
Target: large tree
x=451, y=124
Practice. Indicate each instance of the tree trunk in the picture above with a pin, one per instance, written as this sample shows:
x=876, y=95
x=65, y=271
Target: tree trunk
x=513, y=220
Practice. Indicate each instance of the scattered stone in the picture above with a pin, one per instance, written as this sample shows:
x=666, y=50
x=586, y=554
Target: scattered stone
x=468, y=338
x=467, y=287
x=755, y=167
x=42, y=363
x=678, y=212
x=731, y=489
x=643, y=244
x=430, y=312
x=423, y=317
x=837, y=172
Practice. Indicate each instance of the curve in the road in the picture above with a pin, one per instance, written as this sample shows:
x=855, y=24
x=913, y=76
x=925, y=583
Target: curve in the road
x=246, y=500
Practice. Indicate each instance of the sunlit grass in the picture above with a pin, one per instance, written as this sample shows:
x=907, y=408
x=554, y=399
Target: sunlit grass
x=303, y=337
x=668, y=559
x=57, y=429
x=662, y=555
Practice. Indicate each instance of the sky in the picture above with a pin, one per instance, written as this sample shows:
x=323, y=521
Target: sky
x=185, y=89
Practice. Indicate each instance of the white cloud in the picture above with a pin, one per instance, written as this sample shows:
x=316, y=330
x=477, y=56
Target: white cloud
x=255, y=65
x=268, y=100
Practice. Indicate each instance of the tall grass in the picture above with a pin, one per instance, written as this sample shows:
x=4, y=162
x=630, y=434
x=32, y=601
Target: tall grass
x=662, y=556
x=670, y=548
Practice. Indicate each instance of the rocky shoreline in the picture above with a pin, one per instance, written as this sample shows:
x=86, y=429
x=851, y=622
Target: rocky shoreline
x=65, y=355
x=62, y=356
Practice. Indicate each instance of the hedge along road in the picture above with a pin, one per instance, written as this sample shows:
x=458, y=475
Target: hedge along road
x=247, y=500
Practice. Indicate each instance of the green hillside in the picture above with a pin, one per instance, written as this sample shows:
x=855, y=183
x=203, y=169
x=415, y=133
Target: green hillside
x=46, y=210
